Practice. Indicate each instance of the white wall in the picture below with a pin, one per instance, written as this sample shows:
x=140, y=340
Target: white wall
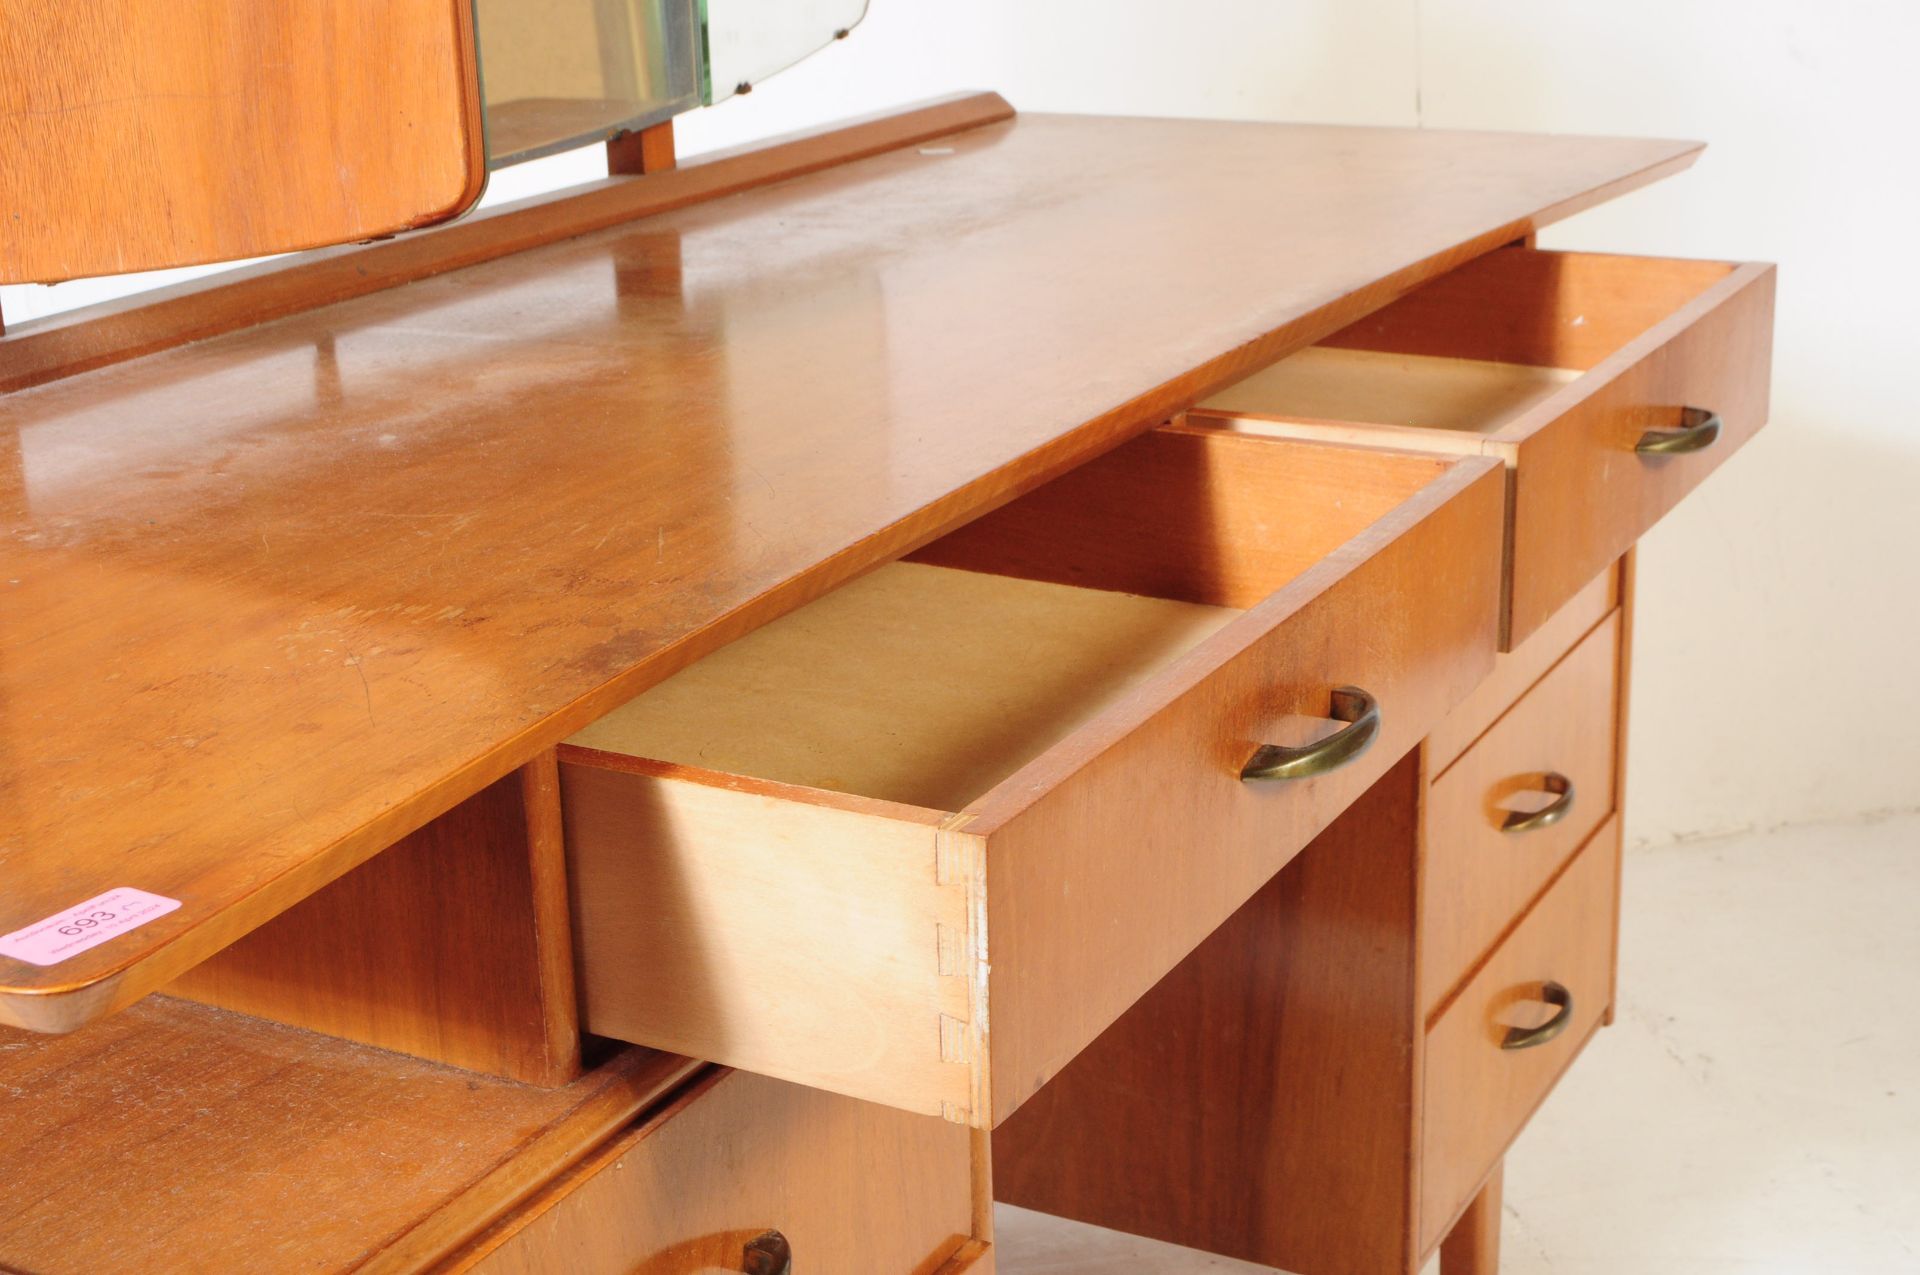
x=1777, y=671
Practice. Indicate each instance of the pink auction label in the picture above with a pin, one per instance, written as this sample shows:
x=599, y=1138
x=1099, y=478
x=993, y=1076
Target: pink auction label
x=85, y=925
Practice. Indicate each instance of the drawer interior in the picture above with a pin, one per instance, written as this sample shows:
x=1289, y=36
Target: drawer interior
x=1469, y=355
x=928, y=682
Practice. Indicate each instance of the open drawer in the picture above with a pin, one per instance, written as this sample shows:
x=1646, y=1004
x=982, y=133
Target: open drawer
x=1609, y=385
x=922, y=840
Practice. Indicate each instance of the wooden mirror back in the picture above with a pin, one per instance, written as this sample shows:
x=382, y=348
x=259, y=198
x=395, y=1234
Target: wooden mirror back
x=137, y=135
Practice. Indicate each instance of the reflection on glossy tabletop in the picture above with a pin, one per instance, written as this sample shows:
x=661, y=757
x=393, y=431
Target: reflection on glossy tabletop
x=273, y=599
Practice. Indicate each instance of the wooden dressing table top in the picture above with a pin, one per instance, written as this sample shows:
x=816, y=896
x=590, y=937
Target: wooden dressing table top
x=274, y=599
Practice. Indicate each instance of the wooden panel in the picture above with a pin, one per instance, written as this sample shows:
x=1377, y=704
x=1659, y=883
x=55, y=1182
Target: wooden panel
x=786, y=930
x=140, y=136
x=855, y=1188
x=1083, y=909
x=1479, y=878
x=289, y=593
x=1514, y=671
x=1582, y=497
x=1191, y=514
x=453, y=944
x=212, y=1141
x=1478, y=1095
x=1262, y=1100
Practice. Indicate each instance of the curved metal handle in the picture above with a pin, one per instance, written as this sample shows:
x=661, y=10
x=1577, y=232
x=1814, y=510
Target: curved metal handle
x=1698, y=429
x=1554, y=994
x=1351, y=705
x=1547, y=815
x=767, y=1254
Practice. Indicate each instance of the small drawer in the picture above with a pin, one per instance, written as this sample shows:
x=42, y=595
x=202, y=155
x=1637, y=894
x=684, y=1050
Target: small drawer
x=744, y=1173
x=1610, y=386
x=1498, y=1049
x=1520, y=668
x=1006, y=780
x=1503, y=819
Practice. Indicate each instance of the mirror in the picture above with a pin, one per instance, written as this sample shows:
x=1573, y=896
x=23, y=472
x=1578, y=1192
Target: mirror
x=748, y=40
x=556, y=74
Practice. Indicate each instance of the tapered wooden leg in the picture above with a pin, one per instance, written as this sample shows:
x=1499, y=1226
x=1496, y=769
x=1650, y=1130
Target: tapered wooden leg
x=1473, y=1246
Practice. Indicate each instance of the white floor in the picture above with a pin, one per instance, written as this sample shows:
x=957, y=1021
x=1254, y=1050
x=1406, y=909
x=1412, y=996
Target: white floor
x=1754, y=1111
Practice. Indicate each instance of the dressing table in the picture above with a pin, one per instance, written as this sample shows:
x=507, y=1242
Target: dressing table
x=726, y=718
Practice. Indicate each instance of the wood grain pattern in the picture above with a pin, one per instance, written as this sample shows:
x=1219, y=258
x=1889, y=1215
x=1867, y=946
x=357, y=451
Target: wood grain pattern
x=841, y=940
x=96, y=336
x=856, y=1189
x=141, y=136
x=1262, y=1101
x=1516, y=670
x=1478, y=1095
x=454, y=944
x=287, y=594
x=1480, y=878
x=225, y=1143
x=1472, y=1247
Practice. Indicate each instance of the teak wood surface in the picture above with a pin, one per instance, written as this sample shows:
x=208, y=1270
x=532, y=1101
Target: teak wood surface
x=277, y=598
x=178, y=1138
x=137, y=136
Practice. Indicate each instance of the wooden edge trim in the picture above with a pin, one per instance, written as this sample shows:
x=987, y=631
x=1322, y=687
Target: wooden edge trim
x=798, y=794
x=1188, y=673
x=1425, y=439
x=81, y=340
x=1412, y=1180
x=648, y=1079
x=552, y=916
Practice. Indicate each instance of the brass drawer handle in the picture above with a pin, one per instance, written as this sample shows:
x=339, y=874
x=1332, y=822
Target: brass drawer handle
x=1547, y=815
x=1554, y=994
x=1351, y=705
x=768, y=1254
x=1698, y=429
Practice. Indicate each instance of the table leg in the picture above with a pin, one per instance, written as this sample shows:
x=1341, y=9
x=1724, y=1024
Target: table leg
x=1473, y=1246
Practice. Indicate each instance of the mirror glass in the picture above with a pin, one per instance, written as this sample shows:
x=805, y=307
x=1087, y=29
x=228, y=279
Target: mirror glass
x=555, y=74
x=748, y=40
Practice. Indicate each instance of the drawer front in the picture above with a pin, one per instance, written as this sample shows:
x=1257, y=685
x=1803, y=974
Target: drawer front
x=1502, y=820
x=1480, y=1094
x=863, y=946
x=1582, y=491
x=1520, y=668
x=844, y=1185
